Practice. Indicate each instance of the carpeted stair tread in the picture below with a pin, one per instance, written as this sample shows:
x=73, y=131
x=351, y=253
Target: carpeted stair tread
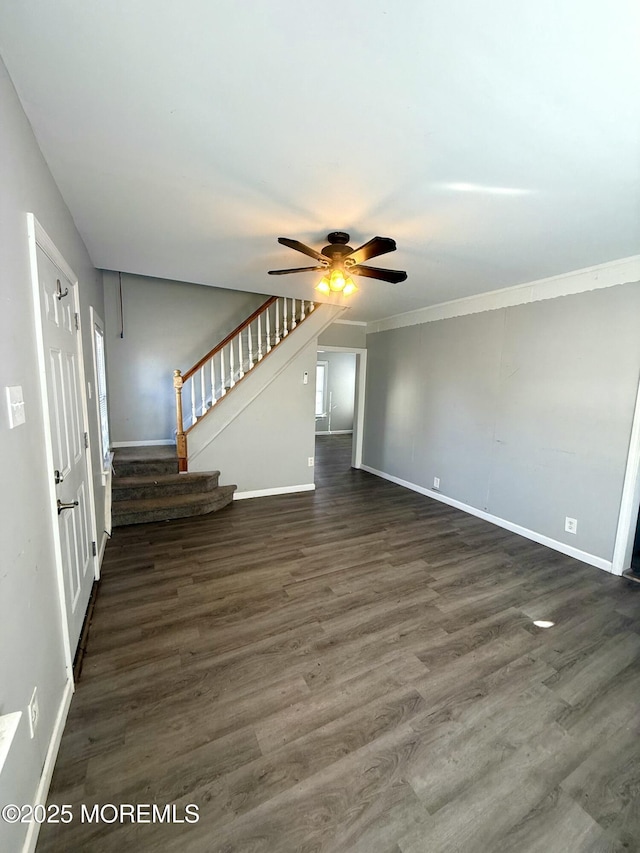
x=166, y=507
x=154, y=485
x=144, y=467
x=147, y=451
x=147, y=487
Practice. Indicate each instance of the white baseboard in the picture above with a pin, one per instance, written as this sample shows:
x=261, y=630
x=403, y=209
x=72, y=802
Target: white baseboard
x=540, y=538
x=103, y=545
x=334, y=432
x=47, y=770
x=282, y=490
x=153, y=442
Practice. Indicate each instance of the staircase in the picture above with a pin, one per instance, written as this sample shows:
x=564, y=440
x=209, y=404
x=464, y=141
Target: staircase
x=204, y=386
x=147, y=487
x=151, y=483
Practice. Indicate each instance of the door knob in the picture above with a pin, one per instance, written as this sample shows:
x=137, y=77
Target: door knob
x=62, y=506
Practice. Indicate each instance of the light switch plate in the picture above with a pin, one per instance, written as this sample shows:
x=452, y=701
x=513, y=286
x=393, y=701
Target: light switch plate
x=15, y=404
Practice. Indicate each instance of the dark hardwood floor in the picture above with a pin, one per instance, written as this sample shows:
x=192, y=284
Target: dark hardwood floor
x=353, y=670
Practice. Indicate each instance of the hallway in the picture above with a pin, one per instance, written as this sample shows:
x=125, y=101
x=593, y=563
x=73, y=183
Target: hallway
x=353, y=669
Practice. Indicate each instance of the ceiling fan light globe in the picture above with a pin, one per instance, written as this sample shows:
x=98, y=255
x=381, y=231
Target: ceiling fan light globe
x=350, y=287
x=337, y=281
x=323, y=285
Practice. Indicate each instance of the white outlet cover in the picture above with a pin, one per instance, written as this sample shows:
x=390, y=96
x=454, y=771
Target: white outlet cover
x=310, y=462
x=15, y=405
x=436, y=482
x=570, y=525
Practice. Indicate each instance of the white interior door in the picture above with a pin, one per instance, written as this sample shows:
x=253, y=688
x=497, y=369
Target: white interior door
x=62, y=352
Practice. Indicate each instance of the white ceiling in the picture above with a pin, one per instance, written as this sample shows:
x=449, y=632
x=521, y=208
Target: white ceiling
x=498, y=142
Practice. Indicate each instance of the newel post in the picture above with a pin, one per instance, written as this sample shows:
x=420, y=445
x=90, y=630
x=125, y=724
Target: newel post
x=181, y=438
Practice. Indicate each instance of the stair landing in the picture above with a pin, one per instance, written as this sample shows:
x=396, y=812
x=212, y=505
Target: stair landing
x=147, y=487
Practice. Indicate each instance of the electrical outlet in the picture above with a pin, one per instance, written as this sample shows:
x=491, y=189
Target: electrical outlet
x=571, y=525
x=436, y=482
x=310, y=462
x=33, y=712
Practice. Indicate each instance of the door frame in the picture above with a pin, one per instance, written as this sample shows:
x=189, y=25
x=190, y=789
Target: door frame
x=630, y=501
x=359, y=398
x=38, y=238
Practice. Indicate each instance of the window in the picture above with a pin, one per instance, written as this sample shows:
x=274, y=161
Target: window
x=321, y=389
x=101, y=389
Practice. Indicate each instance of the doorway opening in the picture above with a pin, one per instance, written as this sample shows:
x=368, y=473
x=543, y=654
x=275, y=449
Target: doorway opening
x=339, y=410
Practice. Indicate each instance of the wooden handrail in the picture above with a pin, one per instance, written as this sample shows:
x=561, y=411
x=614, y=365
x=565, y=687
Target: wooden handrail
x=187, y=374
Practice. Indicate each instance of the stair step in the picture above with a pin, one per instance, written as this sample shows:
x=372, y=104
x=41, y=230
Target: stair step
x=158, y=485
x=165, y=508
x=137, y=461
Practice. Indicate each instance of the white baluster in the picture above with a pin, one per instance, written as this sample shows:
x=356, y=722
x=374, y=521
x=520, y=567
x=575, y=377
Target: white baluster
x=259, y=337
x=285, y=330
x=293, y=314
x=223, y=389
x=203, y=391
x=277, y=321
x=232, y=381
x=301, y=310
x=268, y=331
x=240, y=358
x=192, y=389
x=312, y=305
x=250, y=345
x=213, y=382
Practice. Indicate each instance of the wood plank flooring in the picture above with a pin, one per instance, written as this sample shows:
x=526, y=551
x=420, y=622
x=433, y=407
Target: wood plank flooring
x=354, y=670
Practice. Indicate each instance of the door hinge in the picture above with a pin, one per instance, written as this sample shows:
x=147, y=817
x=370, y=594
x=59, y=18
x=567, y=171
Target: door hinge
x=86, y=440
x=94, y=549
x=77, y=317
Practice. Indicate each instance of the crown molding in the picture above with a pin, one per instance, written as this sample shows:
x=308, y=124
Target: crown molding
x=623, y=271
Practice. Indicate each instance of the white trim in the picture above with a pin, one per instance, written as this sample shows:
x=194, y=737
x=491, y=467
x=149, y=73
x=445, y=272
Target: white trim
x=358, y=414
x=630, y=501
x=622, y=271
x=351, y=322
x=322, y=348
x=279, y=490
x=49, y=764
x=583, y=556
x=98, y=322
x=335, y=432
x=37, y=237
x=154, y=442
x=103, y=545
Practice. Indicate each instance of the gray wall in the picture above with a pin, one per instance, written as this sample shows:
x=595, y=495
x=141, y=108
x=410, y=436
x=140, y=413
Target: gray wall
x=31, y=651
x=261, y=436
x=268, y=445
x=523, y=412
x=341, y=387
x=167, y=325
x=344, y=335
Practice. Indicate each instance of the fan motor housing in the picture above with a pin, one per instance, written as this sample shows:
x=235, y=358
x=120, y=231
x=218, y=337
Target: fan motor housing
x=337, y=247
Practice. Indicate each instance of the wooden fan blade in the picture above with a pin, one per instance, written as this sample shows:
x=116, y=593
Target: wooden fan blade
x=376, y=246
x=297, y=269
x=394, y=276
x=300, y=247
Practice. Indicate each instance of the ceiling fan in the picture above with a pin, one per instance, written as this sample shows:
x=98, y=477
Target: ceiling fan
x=339, y=261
